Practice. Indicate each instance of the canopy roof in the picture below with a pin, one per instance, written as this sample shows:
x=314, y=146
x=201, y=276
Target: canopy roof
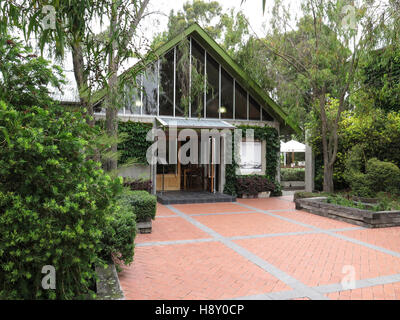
x=194, y=123
x=293, y=146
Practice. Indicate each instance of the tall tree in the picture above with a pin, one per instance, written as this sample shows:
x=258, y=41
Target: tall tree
x=124, y=17
x=66, y=24
x=228, y=27
x=334, y=35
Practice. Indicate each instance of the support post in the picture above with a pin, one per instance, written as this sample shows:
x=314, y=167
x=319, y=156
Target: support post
x=310, y=166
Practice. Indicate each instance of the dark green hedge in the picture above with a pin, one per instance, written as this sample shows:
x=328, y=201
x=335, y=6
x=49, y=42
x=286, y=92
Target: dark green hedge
x=292, y=174
x=143, y=203
x=119, y=235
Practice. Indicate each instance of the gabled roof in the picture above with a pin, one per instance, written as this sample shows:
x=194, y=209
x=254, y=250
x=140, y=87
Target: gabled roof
x=229, y=64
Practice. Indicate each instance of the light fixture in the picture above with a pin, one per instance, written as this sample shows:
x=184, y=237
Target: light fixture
x=222, y=110
x=138, y=103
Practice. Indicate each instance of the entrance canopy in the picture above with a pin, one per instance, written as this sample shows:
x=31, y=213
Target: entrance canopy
x=194, y=123
x=293, y=146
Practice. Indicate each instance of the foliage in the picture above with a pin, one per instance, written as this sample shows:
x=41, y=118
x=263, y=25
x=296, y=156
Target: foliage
x=54, y=202
x=138, y=184
x=191, y=84
x=292, y=174
x=381, y=78
x=367, y=178
x=383, y=176
x=253, y=185
x=342, y=201
x=134, y=145
x=25, y=79
x=119, y=235
x=375, y=130
x=143, y=203
x=229, y=27
x=384, y=202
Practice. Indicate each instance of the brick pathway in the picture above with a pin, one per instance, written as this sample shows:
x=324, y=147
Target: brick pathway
x=261, y=249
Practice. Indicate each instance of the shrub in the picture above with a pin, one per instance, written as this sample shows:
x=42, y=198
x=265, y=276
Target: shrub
x=54, y=200
x=383, y=176
x=119, y=235
x=53, y=203
x=138, y=184
x=354, y=172
x=292, y=174
x=253, y=185
x=143, y=203
x=375, y=176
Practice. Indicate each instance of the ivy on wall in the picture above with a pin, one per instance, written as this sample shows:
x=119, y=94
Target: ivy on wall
x=271, y=136
x=135, y=144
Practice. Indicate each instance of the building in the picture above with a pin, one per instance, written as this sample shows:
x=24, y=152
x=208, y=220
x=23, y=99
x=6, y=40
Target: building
x=192, y=83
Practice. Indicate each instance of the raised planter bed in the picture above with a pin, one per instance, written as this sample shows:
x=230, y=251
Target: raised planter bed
x=293, y=184
x=261, y=195
x=364, y=218
x=144, y=226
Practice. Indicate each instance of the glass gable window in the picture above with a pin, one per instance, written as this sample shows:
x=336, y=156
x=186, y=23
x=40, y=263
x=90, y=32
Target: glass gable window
x=212, y=69
x=150, y=90
x=167, y=84
x=240, y=102
x=182, y=79
x=188, y=82
x=132, y=97
x=226, y=95
x=266, y=116
x=254, y=109
x=197, y=105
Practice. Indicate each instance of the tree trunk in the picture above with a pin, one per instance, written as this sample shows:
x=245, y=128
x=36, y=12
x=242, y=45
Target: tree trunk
x=328, y=178
x=111, y=101
x=82, y=81
x=326, y=145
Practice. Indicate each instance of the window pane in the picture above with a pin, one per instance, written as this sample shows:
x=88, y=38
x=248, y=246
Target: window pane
x=226, y=95
x=250, y=158
x=132, y=97
x=266, y=116
x=182, y=79
x=167, y=84
x=150, y=87
x=197, y=80
x=213, y=88
x=254, y=109
x=240, y=103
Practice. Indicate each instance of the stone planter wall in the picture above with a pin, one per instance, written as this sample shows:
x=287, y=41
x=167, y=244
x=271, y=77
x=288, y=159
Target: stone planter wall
x=293, y=184
x=261, y=195
x=144, y=226
x=364, y=218
x=108, y=286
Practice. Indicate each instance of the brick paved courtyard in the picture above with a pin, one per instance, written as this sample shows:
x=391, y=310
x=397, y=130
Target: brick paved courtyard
x=260, y=249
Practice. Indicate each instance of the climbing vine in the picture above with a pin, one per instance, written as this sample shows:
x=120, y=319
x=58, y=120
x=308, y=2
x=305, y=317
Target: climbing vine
x=134, y=144
x=271, y=136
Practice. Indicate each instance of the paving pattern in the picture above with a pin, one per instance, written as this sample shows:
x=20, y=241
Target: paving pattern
x=261, y=249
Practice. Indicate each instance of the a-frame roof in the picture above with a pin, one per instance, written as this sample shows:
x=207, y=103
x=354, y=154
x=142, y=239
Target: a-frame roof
x=201, y=36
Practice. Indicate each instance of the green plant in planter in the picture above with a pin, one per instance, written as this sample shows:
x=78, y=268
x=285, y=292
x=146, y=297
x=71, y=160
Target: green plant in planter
x=253, y=185
x=119, y=235
x=143, y=203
